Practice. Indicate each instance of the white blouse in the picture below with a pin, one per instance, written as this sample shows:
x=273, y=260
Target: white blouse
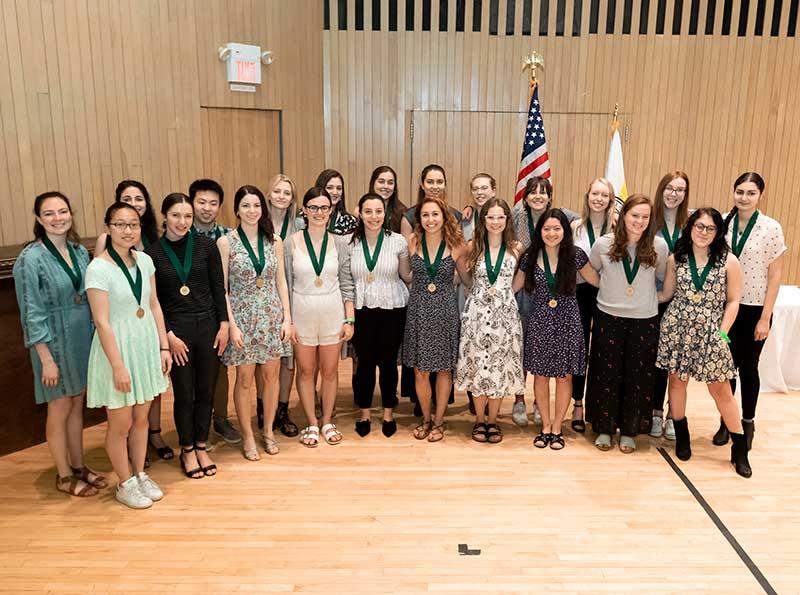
x=388, y=290
x=764, y=245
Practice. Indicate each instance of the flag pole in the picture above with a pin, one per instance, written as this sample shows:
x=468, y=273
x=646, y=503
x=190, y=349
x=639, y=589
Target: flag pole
x=532, y=62
x=614, y=118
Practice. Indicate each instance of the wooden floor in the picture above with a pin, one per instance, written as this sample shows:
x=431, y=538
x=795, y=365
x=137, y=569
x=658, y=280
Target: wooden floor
x=379, y=515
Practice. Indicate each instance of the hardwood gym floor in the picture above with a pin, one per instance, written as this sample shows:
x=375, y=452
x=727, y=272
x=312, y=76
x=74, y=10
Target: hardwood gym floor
x=381, y=515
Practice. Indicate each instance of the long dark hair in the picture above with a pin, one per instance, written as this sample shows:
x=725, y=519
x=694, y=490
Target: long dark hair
x=265, y=221
x=717, y=250
x=119, y=206
x=749, y=176
x=480, y=234
x=38, y=230
x=358, y=232
x=172, y=199
x=534, y=183
x=322, y=180
x=394, y=204
x=425, y=171
x=565, y=273
x=311, y=194
x=644, y=247
x=149, y=224
x=658, y=201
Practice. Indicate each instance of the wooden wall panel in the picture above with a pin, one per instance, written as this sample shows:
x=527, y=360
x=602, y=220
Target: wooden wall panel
x=93, y=91
x=713, y=106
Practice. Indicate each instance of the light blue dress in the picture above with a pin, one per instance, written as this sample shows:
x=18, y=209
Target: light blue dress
x=49, y=315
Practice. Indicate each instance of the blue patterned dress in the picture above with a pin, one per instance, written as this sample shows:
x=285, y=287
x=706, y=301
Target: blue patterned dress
x=49, y=315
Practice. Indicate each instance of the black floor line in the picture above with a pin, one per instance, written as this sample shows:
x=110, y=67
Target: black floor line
x=748, y=561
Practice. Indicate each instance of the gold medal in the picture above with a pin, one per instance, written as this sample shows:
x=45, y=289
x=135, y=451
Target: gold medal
x=184, y=290
x=492, y=290
x=629, y=290
x=259, y=282
x=370, y=277
x=76, y=299
x=697, y=298
x=140, y=312
x=552, y=303
x=431, y=287
x=318, y=281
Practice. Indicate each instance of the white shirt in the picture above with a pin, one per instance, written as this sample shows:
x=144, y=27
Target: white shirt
x=387, y=290
x=764, y=245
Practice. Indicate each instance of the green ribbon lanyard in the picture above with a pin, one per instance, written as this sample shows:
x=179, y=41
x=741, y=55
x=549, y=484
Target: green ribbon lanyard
x=258, y=263
x=285, y=226
x=432, y=269
x=73, y=273
x=737, y=247
x=492, y=271
x=548, y=274
x=630, y=271
x=182, y=268
x=318, y=264
x=671, y=239
x=145, y=242
x=334, y=218
x=372, y=260
x=531, y=227
x=590, y=231
x=698, y=279
x=136, y=286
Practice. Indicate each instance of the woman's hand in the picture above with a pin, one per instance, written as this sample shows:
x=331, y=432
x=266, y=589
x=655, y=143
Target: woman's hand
x=180, y=353
x=122, y=379
x=288, y=333
x=236, y=337
x=221, y=340
x=762, y=330
x=347, y=332
x=166, y=362
x=49, y=374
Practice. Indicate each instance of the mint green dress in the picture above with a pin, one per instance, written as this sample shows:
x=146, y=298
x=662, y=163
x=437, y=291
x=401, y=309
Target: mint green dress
x=137, y=338
x=49, y=314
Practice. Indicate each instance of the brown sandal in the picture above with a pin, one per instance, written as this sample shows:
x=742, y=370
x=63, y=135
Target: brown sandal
x=85, y=473
x=437, y=433
x=493, y=434
x=72, y=489
x=422, y=430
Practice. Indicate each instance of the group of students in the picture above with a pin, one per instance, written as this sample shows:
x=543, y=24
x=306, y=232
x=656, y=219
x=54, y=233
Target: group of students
x=620, y=306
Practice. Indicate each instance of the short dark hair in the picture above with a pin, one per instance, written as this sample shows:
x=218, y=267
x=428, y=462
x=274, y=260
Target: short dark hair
x=206, y=184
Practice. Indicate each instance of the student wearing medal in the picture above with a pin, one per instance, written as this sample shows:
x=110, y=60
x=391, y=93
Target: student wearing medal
x=430, y=342
x=191, y=289
x=619, y=391
x=322, y=311
x=554, y=345
x=702, y=286
x=383, y=182
x=596, y=220
x=379, y=265
x=757, y=241
x=341, y=222
x=130, y=356
x=490, y=348
x=260, y=319
x=49, y=283
x=671, y=206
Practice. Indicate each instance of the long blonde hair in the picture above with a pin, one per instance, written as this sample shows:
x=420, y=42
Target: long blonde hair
x=608, y=222
x=291, y=212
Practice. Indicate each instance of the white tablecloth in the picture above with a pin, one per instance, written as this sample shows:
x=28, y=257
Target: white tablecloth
x=779, y=366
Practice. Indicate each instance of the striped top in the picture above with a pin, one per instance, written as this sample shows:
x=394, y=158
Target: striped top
x=388, y=290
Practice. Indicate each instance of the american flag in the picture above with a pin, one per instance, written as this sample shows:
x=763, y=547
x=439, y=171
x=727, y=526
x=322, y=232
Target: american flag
x=534, y=161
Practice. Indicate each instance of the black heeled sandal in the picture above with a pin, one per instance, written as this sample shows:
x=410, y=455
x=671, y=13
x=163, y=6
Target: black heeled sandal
x=208, y=468
x=191, y=474
x=578, y=425
x=165, y=453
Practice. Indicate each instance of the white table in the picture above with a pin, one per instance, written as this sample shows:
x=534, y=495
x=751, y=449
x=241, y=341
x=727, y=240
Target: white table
x=779, y=366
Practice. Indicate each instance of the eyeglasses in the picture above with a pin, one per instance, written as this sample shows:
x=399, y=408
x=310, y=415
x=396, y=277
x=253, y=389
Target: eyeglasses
x=700, y=228
x=124, y=226
x=673, y=190
x=315, y=209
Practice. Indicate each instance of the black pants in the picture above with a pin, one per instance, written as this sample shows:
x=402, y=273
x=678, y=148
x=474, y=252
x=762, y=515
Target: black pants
x=746, y=352
x=586, y=294
x=661, y=376
x=193, y=383
x=377, y=339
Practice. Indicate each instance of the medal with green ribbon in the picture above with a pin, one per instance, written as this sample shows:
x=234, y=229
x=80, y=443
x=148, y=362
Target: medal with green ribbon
x=182, y=268
x=737, y=247
x=258, y=263
x=493, y=271
x=135, y=285
x=551, y=280
x=671, y=239
x=590, y=231
x=432, y=269
x=531, y=226
x=630, y=271
x=371, y=260
x=318, y=264
x=285, y=226
x=698, y=279
x=334, y=218
x=74, y=272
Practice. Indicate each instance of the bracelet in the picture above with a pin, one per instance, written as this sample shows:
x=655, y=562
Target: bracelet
x=349, y=321
x=724, y=336
x=165, y=349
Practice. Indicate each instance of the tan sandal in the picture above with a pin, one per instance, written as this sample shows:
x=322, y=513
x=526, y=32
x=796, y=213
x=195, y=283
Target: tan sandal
x=271, y=446
x=251, y=453
x=85, y=473
x=422, y=430
x=86, y=491
x=437, y=433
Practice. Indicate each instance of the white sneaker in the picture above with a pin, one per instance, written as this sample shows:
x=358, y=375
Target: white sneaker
x=519, y=414
x=129, y=493
x=669, y=430
x=657, y=427
x=537, y=417
x=149, y=488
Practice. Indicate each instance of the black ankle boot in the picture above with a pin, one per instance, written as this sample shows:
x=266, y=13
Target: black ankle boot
x=260, y=414
x=722, y=435
x=283, y=422
x=739, y=455
x=749, y=428
x=683, y=445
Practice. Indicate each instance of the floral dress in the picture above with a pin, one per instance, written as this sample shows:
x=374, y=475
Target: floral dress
x=490, y=350
x=689, y=344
